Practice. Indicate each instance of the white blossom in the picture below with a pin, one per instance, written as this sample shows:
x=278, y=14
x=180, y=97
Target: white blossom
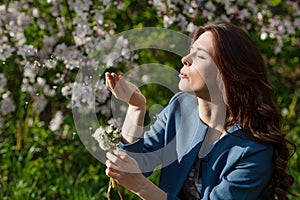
x=101, y=91
x=35, y=12
x=26, y=86
x=67, y=90
x=102, y=139
x=191, y=27
x=263, y=35
x=81, y=33
x=7, y=105
x=89, y=30
x=98, y=17
x=210, y=6
x=39, y=103
x=3, y=82
x=108, y=137
x=243, y=14
x=120, y=50
x=50, y=63
x=48, y=91
x=6, y=51
x=41, y=81
x=146, y=78
x=168, y=20
x=57, y=121
x=26, y=50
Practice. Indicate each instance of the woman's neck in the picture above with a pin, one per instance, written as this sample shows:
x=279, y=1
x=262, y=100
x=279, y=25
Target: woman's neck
x=213, y=114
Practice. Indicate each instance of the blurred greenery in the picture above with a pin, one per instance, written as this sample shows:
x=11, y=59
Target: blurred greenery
x=46, y=165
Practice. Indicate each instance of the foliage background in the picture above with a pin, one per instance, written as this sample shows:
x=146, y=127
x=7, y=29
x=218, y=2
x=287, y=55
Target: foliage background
x=43, y=44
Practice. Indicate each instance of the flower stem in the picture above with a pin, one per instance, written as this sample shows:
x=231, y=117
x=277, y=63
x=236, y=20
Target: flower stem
x=113, y=184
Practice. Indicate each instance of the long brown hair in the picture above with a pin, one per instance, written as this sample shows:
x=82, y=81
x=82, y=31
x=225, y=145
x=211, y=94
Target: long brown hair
x=249, y=97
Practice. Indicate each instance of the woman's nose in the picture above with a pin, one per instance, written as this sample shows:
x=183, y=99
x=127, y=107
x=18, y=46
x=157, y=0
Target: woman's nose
x=185, y=61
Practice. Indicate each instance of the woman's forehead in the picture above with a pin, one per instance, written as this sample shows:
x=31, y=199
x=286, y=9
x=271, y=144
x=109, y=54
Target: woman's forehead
x=204, y=42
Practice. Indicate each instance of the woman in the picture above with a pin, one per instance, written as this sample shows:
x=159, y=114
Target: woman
x=217, y=139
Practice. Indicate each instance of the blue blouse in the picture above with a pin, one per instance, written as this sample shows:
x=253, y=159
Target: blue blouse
x=235, y=168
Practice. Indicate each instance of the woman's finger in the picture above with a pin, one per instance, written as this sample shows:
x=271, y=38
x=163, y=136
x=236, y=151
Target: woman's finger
x=111, y=173
x=106, y=79
x=121, y=154
x=110, y=164
x=109, y=81
x=117, y=160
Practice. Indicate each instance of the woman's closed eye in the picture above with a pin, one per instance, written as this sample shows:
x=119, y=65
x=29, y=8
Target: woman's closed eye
x=201, y=56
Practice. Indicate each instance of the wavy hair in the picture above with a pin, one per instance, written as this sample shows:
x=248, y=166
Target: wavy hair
x=249, y=97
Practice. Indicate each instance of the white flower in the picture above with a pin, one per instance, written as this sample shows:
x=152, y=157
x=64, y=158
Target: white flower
x=66, y=90
x=191, y=27
x=102, y=93
x=56, y=122
x=39, y=103
x=98, y=17
x=3, y=82
x=116, y=121
x=30, y=72
x=108, y=137
x=50, y=63
x=35, y=13
x=168, y=20
x=102, y=139
x=146, y=78
x=7, y=105
x=243, y=14
x=27, y=87
x=80, y=34
x=6, y=51
x=263, y=35
x=41, y=81
x=26, y=50
x=48, y=91
x=210, y=6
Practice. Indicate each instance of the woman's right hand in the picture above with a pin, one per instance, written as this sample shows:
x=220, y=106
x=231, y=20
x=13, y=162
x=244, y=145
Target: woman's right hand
x=125, y=90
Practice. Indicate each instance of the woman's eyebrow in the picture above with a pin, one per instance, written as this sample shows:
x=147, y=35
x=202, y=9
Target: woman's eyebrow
x=201, y=49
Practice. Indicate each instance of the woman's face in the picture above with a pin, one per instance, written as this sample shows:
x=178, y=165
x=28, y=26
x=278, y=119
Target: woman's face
x=199, y=74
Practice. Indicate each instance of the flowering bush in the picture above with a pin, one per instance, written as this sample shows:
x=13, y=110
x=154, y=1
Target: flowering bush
x=44, y=43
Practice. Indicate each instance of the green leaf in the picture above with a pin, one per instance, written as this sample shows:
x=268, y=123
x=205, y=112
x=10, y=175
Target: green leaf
x=275, y=2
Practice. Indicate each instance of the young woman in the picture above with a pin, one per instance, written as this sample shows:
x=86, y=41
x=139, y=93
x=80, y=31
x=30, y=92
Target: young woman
x=219, y=138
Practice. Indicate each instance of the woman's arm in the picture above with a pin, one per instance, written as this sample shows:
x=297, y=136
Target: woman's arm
x=120, y=165
x=127, y=92
x=133, y=124
x=125, y=170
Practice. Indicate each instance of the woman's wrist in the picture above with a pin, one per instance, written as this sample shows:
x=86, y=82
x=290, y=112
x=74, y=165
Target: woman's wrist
x=149, y=191
x=133, y=125
x=138, y=101
x=141, y=109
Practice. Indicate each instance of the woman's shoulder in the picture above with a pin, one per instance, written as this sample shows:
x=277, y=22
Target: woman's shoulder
x=183, y=97
x=239, y=140
x=237, y=149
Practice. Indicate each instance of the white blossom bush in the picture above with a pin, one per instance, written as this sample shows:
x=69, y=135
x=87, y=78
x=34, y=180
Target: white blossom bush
x=61, y=45
x=44, y=44
x=251, y=14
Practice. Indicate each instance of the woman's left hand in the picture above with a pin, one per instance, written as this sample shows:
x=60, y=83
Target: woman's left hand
x=124, y=169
